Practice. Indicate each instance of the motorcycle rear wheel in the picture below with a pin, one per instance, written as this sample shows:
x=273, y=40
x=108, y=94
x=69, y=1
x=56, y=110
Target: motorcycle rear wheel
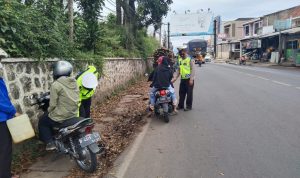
x=166, y=118
x=88, y=160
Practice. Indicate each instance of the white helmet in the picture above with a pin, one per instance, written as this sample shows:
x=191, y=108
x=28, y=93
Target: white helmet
x=89, y=80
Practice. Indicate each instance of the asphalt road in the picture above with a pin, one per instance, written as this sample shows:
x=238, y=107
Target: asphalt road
x=244, y=124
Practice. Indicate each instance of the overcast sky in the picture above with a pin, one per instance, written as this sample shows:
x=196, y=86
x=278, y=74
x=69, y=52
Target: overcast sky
x=232, y=9
x=228, y=10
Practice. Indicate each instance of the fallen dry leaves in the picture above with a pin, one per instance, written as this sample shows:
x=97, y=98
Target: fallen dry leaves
x=118, y=120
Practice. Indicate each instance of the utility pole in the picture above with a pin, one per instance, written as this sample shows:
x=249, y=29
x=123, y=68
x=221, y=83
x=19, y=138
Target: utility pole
x=215, y=38
x=280, y=47
x=168, y=35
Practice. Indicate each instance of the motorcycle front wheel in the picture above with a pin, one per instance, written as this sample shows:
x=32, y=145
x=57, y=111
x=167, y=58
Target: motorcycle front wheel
x=87, y=160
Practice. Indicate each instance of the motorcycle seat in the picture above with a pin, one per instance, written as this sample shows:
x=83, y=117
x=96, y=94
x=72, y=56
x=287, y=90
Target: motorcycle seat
x=73, y=123
x=160, y=89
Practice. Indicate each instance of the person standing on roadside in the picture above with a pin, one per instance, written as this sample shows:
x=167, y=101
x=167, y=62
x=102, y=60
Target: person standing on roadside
x=7, y=111
x=87, y=82
x=187, y=73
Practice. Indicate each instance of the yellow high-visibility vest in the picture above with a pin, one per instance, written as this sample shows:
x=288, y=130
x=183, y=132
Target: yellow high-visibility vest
x=185, y=67
x=86, y=93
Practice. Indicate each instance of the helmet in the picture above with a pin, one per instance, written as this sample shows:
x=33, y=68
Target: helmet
x=198, y=53
x=62, y=68
x=89, y=80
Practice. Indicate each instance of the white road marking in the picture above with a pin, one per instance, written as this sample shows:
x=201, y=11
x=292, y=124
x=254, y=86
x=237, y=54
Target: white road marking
x=266, y=79
x=251, y=75
x=281, y=83
x=263, y=78
x=239, y=72
x=129, y=157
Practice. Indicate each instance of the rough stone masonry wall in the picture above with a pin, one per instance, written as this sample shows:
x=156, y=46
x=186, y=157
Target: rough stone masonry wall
x=118, y=72
x=25, y=77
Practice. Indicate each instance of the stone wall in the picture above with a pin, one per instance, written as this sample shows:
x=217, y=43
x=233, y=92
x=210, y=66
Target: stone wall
x=25, y=77
x=117, y=73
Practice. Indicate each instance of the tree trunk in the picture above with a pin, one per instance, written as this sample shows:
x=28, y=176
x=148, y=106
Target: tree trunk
x=156, y=27
x=133, y=17
x=71, y=18
x=126, y=12
x=132, y=7
x=119, y=11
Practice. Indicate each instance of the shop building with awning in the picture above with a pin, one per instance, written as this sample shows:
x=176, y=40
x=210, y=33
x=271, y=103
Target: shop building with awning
x=275, y=37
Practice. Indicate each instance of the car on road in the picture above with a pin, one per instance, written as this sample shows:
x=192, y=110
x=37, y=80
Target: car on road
x=208, y=58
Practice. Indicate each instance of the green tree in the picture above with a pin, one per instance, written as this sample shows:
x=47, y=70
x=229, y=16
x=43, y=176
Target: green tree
x=152, y=12
x=91, y=11
x=28, y=31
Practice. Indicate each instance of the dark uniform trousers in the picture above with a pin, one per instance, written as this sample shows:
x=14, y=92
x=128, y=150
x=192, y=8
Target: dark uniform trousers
x=185, y=91
x=5, y=151
x=85, y=108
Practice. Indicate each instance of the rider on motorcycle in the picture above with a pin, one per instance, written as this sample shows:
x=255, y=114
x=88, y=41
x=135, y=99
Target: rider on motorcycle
x=162, y=77
x=64, y=101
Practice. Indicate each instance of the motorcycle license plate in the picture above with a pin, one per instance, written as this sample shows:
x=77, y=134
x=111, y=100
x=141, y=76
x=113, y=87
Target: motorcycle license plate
x=89, y=139
x=164, y=100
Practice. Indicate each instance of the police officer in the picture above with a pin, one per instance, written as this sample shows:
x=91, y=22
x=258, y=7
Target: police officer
x=87, y=82
x=187, y=73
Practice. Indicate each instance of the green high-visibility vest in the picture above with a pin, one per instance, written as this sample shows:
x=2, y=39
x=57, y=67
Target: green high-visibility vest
x=185, y=67
x=84, y=92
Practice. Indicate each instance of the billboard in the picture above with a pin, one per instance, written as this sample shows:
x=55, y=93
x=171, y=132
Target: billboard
x=192, y=24
x=282, y=24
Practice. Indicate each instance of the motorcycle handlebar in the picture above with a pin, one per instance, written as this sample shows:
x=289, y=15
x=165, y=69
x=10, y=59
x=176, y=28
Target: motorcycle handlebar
x=41, y=99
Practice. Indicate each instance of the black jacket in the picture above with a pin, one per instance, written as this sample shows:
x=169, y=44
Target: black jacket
x=162, y=75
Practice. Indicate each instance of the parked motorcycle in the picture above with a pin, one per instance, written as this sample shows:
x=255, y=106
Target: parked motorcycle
x=243, y=60
x=252, y=55
x=163, y=105
x=75, y=137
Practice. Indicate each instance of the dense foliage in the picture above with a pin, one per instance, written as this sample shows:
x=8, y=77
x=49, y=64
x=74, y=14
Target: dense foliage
x=40, y=29
x=33, y=31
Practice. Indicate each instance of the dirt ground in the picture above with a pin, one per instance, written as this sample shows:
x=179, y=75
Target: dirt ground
x=118, y=120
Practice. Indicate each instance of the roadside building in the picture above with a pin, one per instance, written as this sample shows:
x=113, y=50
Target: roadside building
x=229, y=45
x=251, y=43
x=273, y=37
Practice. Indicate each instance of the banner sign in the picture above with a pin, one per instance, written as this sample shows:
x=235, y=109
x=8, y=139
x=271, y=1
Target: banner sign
x=192, y=24
x=252, y=44
x=282, y=24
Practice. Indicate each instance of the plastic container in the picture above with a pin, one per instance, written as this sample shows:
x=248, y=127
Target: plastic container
x=20, y=128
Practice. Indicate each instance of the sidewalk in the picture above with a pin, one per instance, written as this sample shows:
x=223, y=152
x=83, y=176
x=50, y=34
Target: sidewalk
x=50, y=166
x=118, y=120
x=264, y=64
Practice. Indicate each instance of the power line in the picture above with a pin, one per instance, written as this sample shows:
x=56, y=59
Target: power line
x=112, y=3
x=109, y=9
